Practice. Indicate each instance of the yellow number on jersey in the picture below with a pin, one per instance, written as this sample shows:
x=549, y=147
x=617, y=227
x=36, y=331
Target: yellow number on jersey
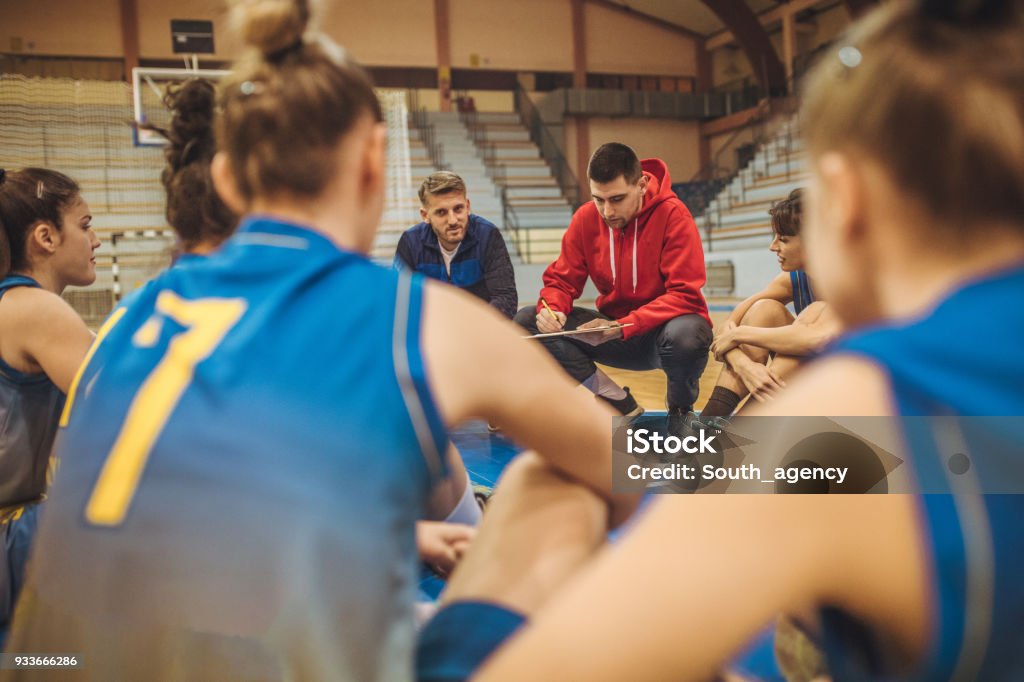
x=114, y=318
x=207, y=321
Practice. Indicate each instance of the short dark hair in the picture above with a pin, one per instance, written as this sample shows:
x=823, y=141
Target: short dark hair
x=787, y=214
x=612, y=160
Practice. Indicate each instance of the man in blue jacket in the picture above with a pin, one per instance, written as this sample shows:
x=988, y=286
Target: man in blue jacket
x=455, y=246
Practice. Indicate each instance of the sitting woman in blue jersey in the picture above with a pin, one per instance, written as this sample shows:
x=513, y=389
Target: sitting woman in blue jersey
x=914, y=124
x=47, y=244
x=762, y=343
x=265, y=424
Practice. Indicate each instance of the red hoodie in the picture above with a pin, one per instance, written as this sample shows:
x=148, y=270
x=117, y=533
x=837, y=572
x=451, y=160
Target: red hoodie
x=658, y=260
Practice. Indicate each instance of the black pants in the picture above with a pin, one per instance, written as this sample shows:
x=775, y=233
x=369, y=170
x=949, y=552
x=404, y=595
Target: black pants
x=679, y=347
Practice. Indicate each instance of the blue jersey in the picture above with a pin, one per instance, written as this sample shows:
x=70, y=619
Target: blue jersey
x=242, y=473
x=30, y=406
x=802, y=294
x=974, y=539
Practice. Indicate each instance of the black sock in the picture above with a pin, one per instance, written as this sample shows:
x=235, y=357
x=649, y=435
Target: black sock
x=722, y=403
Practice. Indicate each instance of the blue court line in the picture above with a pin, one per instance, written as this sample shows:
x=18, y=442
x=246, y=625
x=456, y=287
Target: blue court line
x=485, y=454
x=721, y=307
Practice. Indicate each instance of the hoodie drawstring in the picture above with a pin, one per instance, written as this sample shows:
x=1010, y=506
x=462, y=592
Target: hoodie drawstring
x=636, y=231
x=611, y=250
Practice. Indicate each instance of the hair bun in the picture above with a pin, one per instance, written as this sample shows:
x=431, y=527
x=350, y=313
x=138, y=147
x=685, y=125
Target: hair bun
x=191, y=133
x=271, y=26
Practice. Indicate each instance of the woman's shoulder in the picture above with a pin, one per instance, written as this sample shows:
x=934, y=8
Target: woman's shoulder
x=35, y=326
x=29, y=303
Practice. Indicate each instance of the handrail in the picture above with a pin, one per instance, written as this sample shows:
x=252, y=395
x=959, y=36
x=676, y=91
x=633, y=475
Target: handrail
x=471, y=120
x=511, y=221
x=766, y=108
x=523, y=236
x=549, y=148
x=714, y=171
x=419, y=120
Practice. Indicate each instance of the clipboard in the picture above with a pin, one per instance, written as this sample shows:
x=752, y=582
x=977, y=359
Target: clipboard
x=575, y=332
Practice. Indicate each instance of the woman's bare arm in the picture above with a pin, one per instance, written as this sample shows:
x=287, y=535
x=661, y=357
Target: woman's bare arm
x=42, y=333
x=736, y=562
x=480, y=367
x=814, y=328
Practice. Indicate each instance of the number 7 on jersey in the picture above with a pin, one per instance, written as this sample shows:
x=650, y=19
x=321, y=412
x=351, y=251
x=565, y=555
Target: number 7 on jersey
x=207, y=321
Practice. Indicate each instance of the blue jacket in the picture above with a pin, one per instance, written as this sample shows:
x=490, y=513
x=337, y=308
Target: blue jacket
x=481, y=266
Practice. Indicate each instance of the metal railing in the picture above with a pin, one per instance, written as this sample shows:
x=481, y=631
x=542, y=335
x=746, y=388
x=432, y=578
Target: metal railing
x=523, y=237
x=649, y=104
x=418, y=119
x=471, y=119
x=511, y=221
x=747, y=174
x=495, y=170
x=549, y=148
x=526, y=238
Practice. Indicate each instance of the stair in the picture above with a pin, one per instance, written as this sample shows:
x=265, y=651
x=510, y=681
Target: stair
x=537, y=207
x=461, y=156
x=737, y=218
x=736, y=227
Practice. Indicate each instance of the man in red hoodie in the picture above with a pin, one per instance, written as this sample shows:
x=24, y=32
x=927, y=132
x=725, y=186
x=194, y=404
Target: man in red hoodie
x=640, y=245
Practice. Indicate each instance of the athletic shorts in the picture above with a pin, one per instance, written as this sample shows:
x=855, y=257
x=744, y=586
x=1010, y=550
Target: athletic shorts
x=16, y=533
x=460, y=637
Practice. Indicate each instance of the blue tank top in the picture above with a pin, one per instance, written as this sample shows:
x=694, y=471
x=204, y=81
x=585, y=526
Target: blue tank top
x=247, y=455
x=30, y=406
x=802, y=294
x=939, y=377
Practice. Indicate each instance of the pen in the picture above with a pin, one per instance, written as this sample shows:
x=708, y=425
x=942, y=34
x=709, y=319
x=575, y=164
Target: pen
x=548, y=308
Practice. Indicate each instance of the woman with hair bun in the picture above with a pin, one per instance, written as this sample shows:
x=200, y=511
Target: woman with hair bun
x=46, y=244
x=263, y=426
x=199, y=217
x=202, y=223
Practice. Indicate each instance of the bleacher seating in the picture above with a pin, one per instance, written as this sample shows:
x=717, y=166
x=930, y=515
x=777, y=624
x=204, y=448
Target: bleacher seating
x=83, y=129
x=399, y=218
x=698, y=193
x=535, y=203
x=737, y=218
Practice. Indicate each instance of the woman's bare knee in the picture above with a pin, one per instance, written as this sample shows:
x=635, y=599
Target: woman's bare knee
x=767, y=312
